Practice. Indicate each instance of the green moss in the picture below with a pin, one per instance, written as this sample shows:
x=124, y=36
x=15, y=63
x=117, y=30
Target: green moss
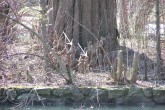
x=1, y=91
x=148, y=92
x=61, y=92
x=32, y=11
x=159, y=95
x=43, y=91
x=117, y=92
x=158, y=92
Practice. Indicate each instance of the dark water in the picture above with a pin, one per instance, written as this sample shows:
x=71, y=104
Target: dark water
x=87, y=108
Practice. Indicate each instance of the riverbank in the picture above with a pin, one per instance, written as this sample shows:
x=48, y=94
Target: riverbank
x=116, y=95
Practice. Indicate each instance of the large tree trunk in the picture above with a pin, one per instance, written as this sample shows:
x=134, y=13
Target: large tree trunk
x=77, y=17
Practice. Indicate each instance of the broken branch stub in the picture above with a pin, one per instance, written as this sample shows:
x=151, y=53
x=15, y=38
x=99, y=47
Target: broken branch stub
x=119, y=65
x=134, y=68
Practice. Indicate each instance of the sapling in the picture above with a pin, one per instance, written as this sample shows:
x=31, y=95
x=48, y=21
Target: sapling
x=134, y=68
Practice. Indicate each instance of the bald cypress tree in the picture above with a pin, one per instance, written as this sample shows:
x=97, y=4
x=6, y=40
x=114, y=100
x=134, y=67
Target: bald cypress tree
x=84, y=20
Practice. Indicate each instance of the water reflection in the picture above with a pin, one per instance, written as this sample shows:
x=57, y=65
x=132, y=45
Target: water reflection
x=90, y=108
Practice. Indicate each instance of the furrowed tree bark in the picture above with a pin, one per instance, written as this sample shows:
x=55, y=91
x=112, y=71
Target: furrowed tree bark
x=86, y=21
x=99, y=17
x=69, y=21
x=76, y=30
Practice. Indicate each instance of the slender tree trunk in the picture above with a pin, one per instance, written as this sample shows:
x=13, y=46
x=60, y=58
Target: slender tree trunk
x=43, y=4
x=123, y=16
x=158, y=48
x=134, y=68
x=4, y=8
x=163, y=3
x=4, y=22
x=119, y=66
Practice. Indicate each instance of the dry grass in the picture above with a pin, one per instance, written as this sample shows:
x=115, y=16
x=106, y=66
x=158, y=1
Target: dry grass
x=18, y=65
